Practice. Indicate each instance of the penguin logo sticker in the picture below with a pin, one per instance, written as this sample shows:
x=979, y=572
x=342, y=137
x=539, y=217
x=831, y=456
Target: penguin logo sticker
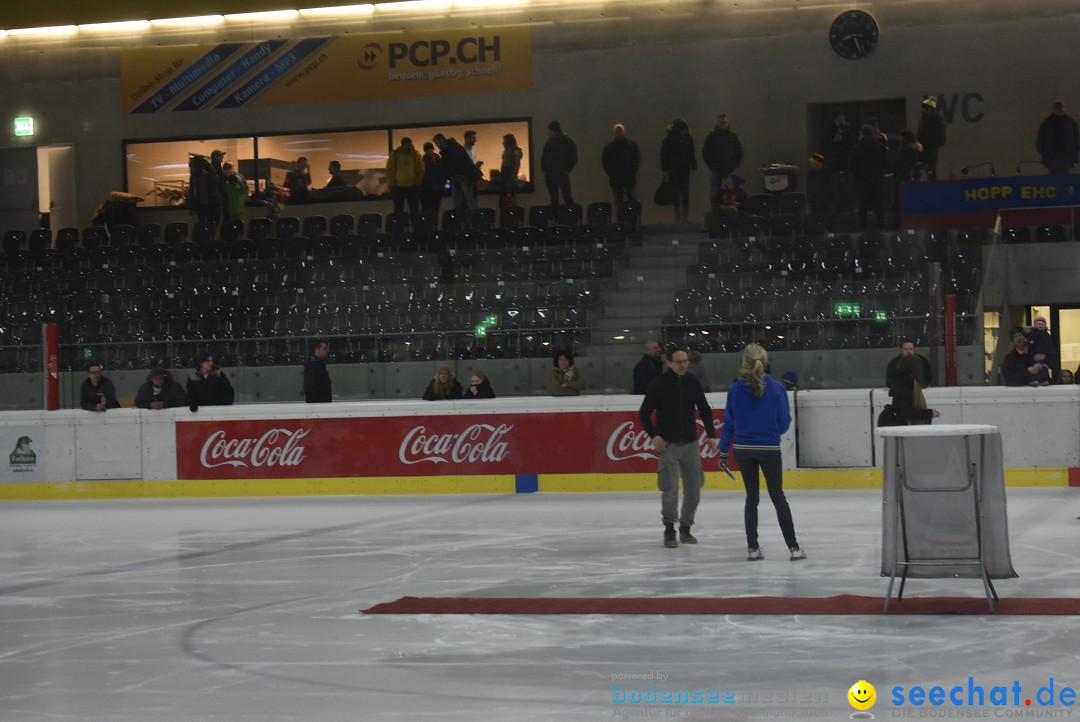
x=369, y=58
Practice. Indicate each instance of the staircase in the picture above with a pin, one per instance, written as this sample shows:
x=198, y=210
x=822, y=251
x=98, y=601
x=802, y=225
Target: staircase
x=644, y=290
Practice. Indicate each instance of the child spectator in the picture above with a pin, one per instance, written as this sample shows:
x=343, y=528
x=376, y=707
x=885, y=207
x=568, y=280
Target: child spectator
x=1042, y=348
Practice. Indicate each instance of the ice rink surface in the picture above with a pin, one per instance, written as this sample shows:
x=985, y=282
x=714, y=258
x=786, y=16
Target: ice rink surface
x=247, y=609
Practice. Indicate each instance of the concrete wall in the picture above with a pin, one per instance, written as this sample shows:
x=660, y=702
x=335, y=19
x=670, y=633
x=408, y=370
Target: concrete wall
x=997, y=64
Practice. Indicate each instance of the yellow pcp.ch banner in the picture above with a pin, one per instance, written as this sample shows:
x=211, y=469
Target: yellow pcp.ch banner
x=325, y=69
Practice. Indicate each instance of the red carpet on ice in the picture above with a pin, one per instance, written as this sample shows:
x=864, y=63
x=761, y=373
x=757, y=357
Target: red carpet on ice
x=843, y=604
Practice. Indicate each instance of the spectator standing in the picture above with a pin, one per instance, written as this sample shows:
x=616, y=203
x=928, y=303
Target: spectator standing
x=508, y=171
x=620, y=160
x=470, y=150
x=444, y=387
x=556, y=162
x=204, y=200
x=236, y=192
x=836, y=143
x=208, y=386
x=906, y=389
x=722, y=154
x=907, y=348
x=677, y=159
x=1058, y=141
x=479, y=387
x=868, y=163
x=1042, y=351
x=217, y=180
x=673, y=397
x=819, y=191
x=906, y=168
x=1018, y=368
x=404, y=176
x=461, y=171
x=1066, y=377
x=932, y=135
x=565, y=379
x=431, y=191
x=317, y=386
x=757, y=414
x=97, y=392
x=649, y=368
x=698, y=370
x=160, y=392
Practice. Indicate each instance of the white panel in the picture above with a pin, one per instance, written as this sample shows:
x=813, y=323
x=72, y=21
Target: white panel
x=159, y=441
x=108, y=445
x=1040, y=426
x=834, y=429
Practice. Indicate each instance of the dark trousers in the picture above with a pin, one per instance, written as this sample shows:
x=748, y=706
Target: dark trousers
x=410, y=195
x=625, y=189
x=431, y=199
x=870, y=199
x=556, y=183
x=771, y=465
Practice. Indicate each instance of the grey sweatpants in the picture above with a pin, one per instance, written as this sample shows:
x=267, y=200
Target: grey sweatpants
x=680, y=460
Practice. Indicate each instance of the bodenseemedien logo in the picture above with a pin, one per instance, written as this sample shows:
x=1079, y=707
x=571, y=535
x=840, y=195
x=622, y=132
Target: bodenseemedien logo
x=862, y=696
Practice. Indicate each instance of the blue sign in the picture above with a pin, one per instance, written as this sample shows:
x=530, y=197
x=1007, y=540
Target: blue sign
x=991, y=194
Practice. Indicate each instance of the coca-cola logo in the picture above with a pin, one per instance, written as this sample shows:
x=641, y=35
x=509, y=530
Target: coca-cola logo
x=629, y=442
x=276, y=447
x=481, y=443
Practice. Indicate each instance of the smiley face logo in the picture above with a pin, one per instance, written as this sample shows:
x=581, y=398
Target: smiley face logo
x=862, y=695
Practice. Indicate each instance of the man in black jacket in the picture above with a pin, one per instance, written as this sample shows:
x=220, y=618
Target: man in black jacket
x=208, y=386
x=673, y=397
x=932, y=135
x=556, y=161
x=648, y=368
x=316, y=377
x=907, y=348
x=621, y=160
x=722, y=153
x=97, y=393
x=160, y=392
x=462, y=172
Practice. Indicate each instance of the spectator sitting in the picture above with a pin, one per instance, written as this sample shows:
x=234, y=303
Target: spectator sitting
x=208, y=386
x=790, y=380
x=160, y=392
x=1042, y=348
x=443, y=387
x=565, y=380
x=97, y=393
x=479, y=387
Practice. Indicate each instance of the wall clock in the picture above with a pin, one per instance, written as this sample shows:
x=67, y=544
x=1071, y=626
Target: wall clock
x=853, y=34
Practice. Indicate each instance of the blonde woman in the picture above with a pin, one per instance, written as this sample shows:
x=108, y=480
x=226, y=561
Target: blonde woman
x=757, y=414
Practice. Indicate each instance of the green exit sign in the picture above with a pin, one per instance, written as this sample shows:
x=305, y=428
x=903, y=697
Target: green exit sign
x=24, y=126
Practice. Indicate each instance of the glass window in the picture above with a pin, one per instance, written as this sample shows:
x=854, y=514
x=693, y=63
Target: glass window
x=158, y=171
x=361, y=153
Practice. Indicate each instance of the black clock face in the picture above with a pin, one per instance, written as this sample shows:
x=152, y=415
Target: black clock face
x=853, y=34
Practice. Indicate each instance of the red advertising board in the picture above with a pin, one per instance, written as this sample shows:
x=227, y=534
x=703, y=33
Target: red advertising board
x=555, y=443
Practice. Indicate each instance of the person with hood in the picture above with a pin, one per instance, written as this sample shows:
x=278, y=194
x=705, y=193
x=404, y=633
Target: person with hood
x=317, y=386
x=97, y=392
x=906, y=386
x=757, y=414
x=160, y=392
x=479, y=387
x=444, y=387
x=208, y=386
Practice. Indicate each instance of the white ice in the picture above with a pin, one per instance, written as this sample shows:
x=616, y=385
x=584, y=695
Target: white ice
x=247, y=609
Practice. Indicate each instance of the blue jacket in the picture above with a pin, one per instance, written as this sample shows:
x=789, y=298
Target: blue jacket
x=755, y=424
